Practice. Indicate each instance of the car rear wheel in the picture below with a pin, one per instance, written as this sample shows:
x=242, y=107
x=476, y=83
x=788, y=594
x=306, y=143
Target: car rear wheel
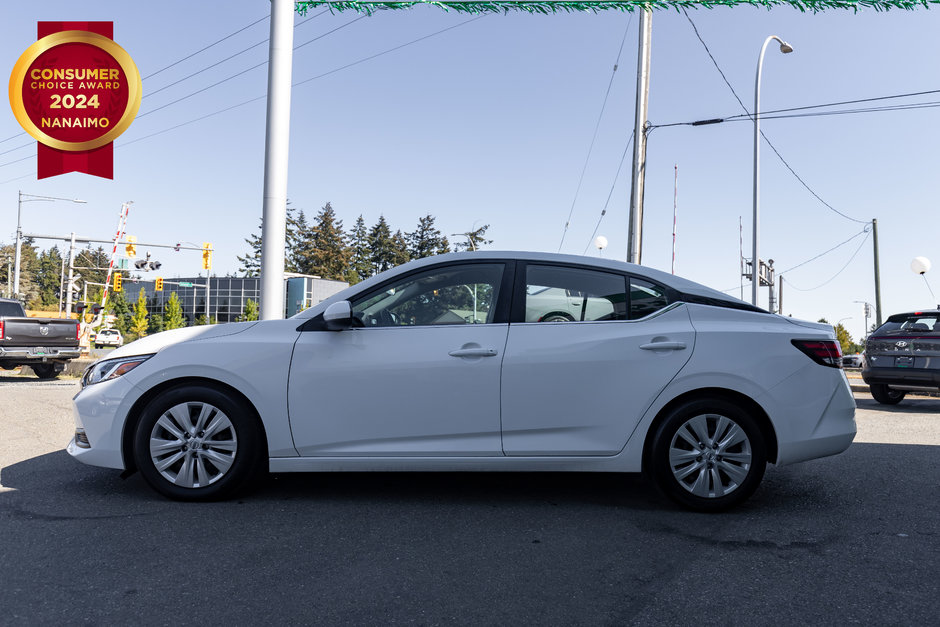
x=708, y=455
x=46, y=371
x=885, y=395
x=198, y=443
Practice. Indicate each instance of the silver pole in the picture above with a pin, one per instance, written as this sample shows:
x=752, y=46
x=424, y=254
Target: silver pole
x=68, y=286
x=755, y=257
x=277, y=141
x=19, y=245
x=635, y=234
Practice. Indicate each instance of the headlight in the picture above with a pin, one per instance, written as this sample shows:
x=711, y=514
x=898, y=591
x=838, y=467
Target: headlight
x=111, y=369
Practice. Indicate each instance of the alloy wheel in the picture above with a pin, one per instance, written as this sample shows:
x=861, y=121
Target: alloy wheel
x=193, y=445
x=710, y=455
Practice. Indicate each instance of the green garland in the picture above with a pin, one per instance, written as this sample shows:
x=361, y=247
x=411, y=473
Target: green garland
x=565, y=6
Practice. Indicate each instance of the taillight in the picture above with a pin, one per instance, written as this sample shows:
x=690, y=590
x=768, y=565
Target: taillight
x=78, y=332
x=823, y=352
x=1, y=329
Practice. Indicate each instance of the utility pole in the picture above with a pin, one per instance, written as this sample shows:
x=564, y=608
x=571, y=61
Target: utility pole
x=635, y=234
x=68, y=285
x=874, y=233
x=780, y=299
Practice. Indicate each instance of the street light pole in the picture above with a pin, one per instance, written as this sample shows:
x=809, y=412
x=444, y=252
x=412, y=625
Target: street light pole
x=785, y=48
x=19, y=231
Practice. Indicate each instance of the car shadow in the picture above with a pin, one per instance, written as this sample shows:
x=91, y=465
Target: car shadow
x=54, y=484
x=910, y=405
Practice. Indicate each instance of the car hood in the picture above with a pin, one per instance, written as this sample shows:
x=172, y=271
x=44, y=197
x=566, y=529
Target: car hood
x=159, y=341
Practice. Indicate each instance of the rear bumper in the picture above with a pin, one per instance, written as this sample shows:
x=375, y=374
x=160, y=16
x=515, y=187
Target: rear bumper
x=900, y=377
x=39, y=353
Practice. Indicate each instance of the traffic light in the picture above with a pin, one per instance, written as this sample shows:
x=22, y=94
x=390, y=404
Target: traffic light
x=158, y=284
x=117, y=282
x=130, y=248
x=79, y=308
x=96, y=309
x=206, y=255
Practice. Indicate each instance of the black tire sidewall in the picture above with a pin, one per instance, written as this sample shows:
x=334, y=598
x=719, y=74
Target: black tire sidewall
x=883, y=394
x=45, y=371
x=661, y=471
x=247, y=431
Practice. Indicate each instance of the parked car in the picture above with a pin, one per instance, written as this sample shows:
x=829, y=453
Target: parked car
x=108, y=337
x=903, y=355
x=44, y=344
x=853, y=361
x=436, y=366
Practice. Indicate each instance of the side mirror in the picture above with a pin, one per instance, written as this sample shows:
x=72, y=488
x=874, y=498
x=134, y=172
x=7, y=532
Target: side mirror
x=338, y=316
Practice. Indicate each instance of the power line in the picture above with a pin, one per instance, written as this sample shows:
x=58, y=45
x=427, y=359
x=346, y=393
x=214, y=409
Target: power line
x=822, y=254
x=597, y=126
x=245, y=71
x=766, y=139
x=611, y=192
x=263, y=96
x=229, y=36
x=231, y=56
x=833, y=277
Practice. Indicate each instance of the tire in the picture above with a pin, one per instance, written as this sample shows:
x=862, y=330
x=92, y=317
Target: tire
x=556, y=317
x=196, y=443
x=45, y=371
x=885, y=395
x=693, y=465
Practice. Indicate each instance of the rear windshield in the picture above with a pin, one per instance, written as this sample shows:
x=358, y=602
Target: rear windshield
x=907, y=324
x=10, y=310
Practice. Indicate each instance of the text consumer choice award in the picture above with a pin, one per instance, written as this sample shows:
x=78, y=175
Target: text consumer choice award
x=75, y=91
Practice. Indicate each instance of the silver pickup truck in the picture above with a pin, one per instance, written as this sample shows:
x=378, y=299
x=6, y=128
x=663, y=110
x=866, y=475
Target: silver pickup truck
x=44, y=344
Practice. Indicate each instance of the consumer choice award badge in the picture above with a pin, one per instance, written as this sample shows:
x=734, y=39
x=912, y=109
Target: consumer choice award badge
x=75, y=91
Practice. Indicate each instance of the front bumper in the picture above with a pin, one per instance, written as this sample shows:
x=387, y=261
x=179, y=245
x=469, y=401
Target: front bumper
x=901, y=377
x=100, y=410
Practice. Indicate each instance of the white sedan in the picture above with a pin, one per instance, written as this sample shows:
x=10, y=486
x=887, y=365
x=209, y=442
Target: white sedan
x=442, y=364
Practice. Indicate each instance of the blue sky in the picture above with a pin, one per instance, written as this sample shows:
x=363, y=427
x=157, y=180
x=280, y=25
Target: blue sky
x=490, y=123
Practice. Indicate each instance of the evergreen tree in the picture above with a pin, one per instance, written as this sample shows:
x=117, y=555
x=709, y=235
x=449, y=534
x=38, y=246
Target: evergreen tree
x=173, y=313
x=475, y=239
x=400, y=249
x=299, y=244
x=327, y=255
x=426, y=240
x=382, y=247
x=156, y=324
x=251, y=261
x=48, y=275
x=251, y=311
x=360, y=261
x=139, y=322
x=117, y=306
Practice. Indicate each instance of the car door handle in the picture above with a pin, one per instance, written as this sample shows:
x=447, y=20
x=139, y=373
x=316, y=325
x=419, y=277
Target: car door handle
x=663, y=346
x=473, y=352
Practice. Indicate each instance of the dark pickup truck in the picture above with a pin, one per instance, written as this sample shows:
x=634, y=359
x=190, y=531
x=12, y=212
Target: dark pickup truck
x=44, y=344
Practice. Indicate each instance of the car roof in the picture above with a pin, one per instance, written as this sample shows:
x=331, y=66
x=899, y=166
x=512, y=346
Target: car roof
x=677, y=283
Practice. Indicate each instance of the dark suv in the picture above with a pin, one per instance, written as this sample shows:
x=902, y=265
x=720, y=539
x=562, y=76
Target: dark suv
x=903, y=355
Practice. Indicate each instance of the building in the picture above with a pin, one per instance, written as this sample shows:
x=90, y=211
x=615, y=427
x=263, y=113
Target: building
x=228, y=296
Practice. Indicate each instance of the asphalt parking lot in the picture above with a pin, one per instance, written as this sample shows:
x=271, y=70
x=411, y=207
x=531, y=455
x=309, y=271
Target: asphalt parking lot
x=847, y=539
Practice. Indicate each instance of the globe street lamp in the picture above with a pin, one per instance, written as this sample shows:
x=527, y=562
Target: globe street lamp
x=19, y=231
x=785, y=48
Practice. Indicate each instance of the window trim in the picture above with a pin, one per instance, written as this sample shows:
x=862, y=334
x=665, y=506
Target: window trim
x=517, y=315
x=500, y=316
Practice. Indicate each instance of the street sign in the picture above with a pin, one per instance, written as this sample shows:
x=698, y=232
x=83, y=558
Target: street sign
x=185, y=284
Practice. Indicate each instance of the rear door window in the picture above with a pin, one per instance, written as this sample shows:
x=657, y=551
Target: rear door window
x=645, y=298
x=559, y=294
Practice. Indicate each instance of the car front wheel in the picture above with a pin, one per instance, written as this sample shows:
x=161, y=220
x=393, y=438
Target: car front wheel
x=197, y=443
x=708, y=455
x=885, y=395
